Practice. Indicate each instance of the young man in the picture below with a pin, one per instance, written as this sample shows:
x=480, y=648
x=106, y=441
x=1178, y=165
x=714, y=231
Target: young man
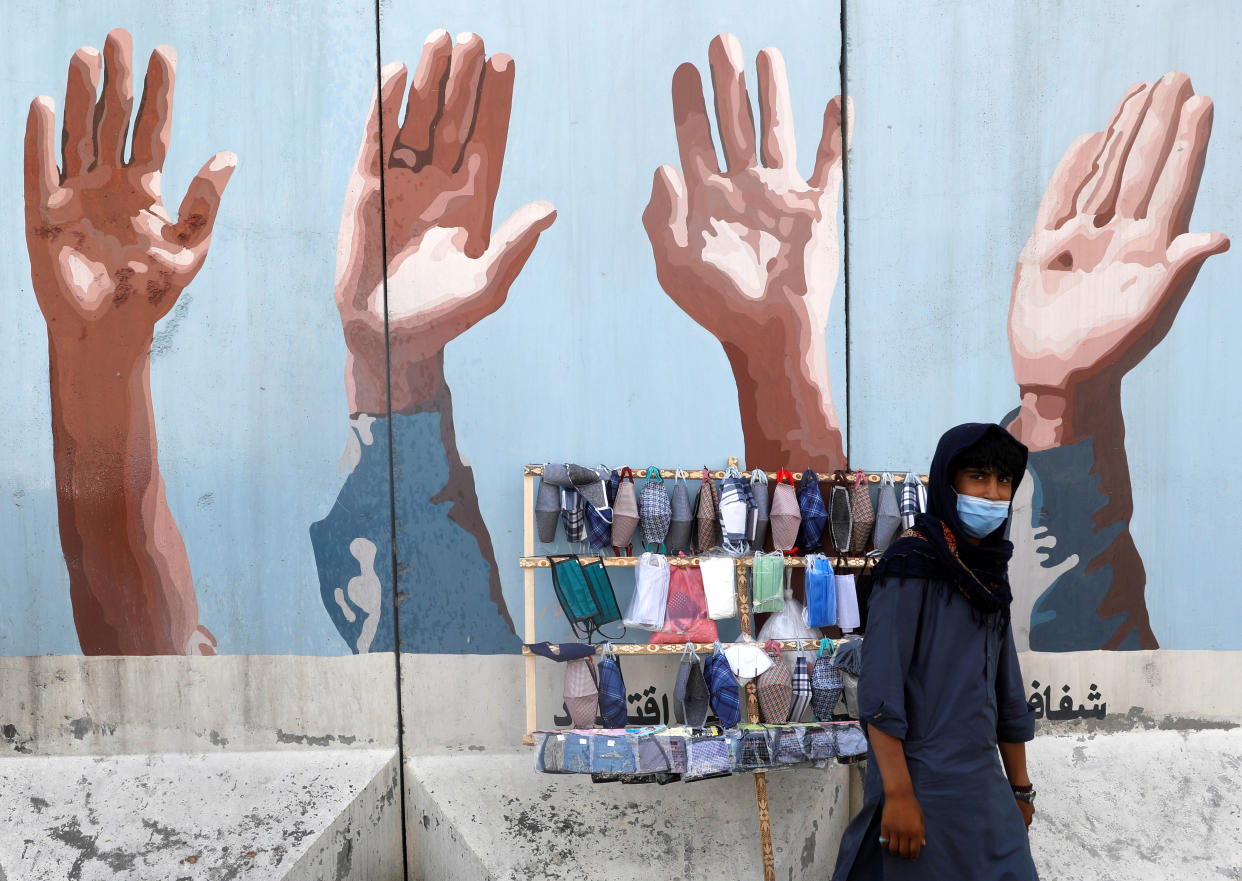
x=941, y=689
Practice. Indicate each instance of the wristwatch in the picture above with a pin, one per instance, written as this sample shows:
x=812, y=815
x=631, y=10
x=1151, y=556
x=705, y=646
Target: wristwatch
x=1024, y=793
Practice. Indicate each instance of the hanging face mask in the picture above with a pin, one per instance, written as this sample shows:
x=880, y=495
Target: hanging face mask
x=981, y=517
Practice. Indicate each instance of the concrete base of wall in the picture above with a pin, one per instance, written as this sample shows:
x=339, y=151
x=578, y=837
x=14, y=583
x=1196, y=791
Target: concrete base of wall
x=1138, y=804
x=309, y=815
x=492, y=818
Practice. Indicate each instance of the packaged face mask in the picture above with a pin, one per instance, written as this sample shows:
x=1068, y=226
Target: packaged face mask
x=768, y=582
x=719, y=585
x=651, y=579
x=685, y=616
x=821, y=593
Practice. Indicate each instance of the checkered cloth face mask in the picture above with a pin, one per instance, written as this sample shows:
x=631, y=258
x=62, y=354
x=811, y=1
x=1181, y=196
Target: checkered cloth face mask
x=826, y=685
x=850, y=740
x=722, y=687
x=775, y=688
x=820, y=743
x=752, y=750
x=790, y=746
x=913, y=499
x=737, y=508
x=707, y=515
x=573, y=515
x=707, y=757
x=814, y=512
x=612, y=704
x=801, y=682
x=862, y=512
x=655, y=509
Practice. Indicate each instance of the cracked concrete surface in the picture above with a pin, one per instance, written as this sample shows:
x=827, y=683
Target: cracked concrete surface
x=275, y=815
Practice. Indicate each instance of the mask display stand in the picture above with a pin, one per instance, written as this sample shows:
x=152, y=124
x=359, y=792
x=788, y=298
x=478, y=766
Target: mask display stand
x=530, y=563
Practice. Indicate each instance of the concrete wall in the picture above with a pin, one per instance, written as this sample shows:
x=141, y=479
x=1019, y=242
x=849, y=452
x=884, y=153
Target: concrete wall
x=203, y=457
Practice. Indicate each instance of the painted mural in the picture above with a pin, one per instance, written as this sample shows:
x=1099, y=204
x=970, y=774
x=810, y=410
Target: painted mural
x=479, y=328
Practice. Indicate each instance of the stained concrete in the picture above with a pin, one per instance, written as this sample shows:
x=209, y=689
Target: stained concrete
x=65, y=704
x=492, y=818
x=1138, y=805
x=310, y=815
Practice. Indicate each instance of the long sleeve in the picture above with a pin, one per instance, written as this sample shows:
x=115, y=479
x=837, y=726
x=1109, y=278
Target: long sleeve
x=892, y=634
x=1015, y=721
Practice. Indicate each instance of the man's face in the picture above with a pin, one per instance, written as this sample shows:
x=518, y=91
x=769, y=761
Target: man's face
x=983, y=483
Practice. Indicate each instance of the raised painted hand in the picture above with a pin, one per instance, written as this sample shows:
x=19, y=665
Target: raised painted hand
x=446, y=268
x=1110, y=260
x=750, y=252
x=104, y=253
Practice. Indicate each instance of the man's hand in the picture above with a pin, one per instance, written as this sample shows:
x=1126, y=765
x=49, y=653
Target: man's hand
x=750, y=252
x=105, y=257
x=1110, y=260
x=1028, y=812
x=446, y=268
x=902, y=826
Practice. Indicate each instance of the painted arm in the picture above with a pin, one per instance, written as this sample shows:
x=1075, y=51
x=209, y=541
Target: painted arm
x=107, y=262
x=750, y=253
x=1097, y=286
x=446, y=268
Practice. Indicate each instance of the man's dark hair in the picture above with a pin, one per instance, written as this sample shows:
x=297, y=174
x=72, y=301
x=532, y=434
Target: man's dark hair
x=990, y=453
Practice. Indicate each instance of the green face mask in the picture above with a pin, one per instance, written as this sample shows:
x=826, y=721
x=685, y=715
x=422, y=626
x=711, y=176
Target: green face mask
x=767, y=583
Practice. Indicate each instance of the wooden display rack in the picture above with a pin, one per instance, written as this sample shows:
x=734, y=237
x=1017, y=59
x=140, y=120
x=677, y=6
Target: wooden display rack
x=529, y=563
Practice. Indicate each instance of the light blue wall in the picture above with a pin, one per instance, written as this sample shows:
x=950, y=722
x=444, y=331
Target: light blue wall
x=963, y=110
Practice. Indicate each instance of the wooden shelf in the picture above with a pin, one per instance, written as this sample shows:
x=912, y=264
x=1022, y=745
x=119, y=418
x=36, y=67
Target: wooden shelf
x=744, y=562
x=696, y=473
x=621, y=648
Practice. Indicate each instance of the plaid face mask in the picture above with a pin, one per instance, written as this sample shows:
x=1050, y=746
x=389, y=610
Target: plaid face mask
x=737, y=508
x=826, y=685
x=814, y=514
x=913, y=499
x=722, y=687
x=612, y=704
x=786, y=514
x=775, y=687
x=790, y=745
x=820, y=743
x=655, y=510
x=801, y=682
x=707, y=515
x=707, y=757
x=862, y=513
x=752, y=749
x=573, y=515
x=887, y=515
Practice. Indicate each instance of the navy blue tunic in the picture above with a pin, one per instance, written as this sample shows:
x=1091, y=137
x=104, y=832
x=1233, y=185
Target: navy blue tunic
x=948, y=685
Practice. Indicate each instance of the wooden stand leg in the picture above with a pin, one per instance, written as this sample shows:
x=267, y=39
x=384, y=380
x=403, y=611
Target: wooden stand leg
x=752, y=715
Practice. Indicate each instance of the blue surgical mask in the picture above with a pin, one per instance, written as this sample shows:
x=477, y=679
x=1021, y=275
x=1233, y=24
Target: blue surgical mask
x=981, y=517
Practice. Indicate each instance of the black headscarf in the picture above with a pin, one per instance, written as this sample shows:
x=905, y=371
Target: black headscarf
x=938, y=547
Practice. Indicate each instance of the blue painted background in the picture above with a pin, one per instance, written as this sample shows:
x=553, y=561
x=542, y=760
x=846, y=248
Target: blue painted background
x=963, y=109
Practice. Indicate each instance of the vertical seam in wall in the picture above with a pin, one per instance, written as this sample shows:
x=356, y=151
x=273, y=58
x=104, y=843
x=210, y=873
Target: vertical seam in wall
x=845, y=227
x=392, y=471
